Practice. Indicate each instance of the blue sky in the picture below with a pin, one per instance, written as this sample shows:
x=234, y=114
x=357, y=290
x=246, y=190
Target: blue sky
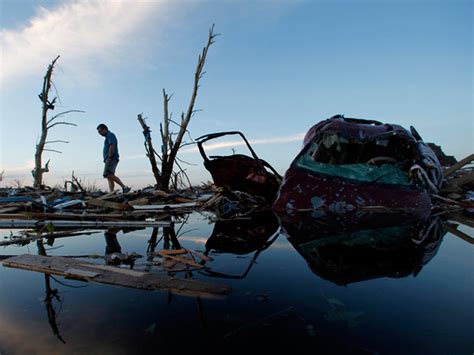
x=277, y=68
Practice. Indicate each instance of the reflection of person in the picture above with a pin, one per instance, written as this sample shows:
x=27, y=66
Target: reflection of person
x=112, y=246
x=111, y=158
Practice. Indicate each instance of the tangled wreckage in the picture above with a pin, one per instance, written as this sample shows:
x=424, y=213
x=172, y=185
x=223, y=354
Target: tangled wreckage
x=349, y=164
x=241, y=173
x=351, y=176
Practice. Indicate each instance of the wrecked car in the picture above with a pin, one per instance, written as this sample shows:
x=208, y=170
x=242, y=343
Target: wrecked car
x=351, y=164
x=240, y=172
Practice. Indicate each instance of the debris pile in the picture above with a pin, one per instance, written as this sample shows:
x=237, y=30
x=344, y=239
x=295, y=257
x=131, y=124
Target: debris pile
x=18, y=205
x=458, y=188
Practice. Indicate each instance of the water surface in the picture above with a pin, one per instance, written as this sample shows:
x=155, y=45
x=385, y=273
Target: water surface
x=305, y=287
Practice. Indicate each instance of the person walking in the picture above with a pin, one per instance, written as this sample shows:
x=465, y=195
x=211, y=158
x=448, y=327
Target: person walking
x=111, y=158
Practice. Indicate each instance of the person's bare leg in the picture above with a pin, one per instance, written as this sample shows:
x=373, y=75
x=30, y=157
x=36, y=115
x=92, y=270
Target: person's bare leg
x=110, y=180
x=117, y=180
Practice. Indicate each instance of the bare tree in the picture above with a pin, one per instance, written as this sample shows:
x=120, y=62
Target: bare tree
x=171, y=142
x=46, y=125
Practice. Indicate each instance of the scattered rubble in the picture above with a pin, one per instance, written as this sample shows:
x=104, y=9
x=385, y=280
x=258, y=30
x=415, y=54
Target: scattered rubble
x=239, y=204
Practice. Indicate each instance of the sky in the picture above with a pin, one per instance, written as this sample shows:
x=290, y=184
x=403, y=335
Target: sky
x=277, y=68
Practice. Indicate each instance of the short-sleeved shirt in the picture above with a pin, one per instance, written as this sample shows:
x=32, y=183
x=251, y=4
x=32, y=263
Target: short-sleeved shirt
x=110, y=139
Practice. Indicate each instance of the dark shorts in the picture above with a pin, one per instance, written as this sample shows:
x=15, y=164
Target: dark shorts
x=110, y=166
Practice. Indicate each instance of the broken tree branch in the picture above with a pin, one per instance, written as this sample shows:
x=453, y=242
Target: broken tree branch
x=56, y=141
x=52, y=150
x=150, y=150
x=62, y=122
x=62, y=114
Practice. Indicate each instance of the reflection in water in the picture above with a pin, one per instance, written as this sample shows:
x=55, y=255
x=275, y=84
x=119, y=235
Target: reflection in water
x=242, y=236
x=341, y=321
x=346, y=251
x=51, y=296
x=113, y=250
x=112, y=247
x=169, y=237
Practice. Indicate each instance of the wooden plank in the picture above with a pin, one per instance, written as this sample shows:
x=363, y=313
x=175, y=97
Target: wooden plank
x=459, y=165
x=108, y=204
x=109, y=268
x=30, y=238
x=461, y=219
x=183, y=260
x=172, y=252
x=77, y=273
x=104, y=274
x=112, y=194
x=10, y=209
x=62, y=215
x=454, y=231
x=171, y=206
x=176, y=198
x=183, y=251
x=200, y=256
x=78, y=216
x=139, y=201
x=463, y=179
x=32, y=223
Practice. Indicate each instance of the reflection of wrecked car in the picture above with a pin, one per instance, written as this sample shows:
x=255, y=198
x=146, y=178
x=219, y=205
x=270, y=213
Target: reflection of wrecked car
x=242, y=236
x=378, y=247
x=240, y=172
x=348, y=164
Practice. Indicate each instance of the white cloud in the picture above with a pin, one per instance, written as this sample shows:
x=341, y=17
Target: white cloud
x=226, y=144
x=25, y=168
x=88, y=33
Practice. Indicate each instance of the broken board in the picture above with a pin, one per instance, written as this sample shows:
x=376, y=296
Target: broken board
x=77, y=269
x=31, y=223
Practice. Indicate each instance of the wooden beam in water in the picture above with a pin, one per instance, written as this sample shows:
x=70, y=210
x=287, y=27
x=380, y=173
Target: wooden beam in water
x=111, y=275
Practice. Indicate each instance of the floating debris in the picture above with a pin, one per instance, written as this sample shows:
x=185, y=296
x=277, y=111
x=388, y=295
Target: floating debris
x=72, y=268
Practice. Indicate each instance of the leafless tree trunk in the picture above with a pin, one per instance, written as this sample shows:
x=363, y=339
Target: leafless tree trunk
x=150, y=151
x=46, y=124
x=170, y=148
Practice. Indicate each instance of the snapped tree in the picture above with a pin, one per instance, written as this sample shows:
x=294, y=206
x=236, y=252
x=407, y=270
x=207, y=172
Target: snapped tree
x=171, y=142
x=46, y=125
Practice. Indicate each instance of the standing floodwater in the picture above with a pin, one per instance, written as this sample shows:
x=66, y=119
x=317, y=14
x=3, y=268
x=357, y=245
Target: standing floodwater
x=381, y=286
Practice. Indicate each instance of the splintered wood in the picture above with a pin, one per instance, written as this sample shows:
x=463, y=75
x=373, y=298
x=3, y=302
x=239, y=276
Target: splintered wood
x=104, y=274
x=179, y=260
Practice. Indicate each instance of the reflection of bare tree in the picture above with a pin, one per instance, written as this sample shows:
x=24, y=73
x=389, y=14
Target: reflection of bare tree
x=202, y=317
x=51, y=295
x=51, y=311
x=169, y=236
x=152, y=244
